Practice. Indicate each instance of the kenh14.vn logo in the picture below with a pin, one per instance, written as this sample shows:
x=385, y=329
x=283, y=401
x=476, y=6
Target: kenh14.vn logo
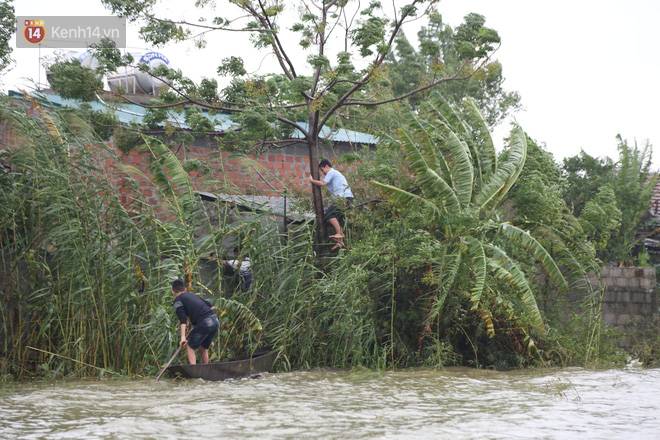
x=34, y=31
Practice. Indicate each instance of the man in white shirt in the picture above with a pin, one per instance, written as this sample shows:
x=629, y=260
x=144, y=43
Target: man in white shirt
x=243, y=269
x=339, y=190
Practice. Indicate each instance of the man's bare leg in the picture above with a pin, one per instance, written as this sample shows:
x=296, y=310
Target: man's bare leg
x=335, y=224
x=205, y=355
x=192, y=359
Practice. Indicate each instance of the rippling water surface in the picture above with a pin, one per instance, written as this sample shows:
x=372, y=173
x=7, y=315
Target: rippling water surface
x=452, y=403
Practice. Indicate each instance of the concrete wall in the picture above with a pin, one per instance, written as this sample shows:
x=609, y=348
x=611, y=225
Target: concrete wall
x=630, y=295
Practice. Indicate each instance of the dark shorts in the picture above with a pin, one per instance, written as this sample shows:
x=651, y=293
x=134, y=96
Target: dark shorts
x=246, y=280
x=337, y=211
x=203, y=333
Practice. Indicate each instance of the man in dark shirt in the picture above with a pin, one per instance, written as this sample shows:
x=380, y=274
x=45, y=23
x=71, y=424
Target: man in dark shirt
x=205, y=323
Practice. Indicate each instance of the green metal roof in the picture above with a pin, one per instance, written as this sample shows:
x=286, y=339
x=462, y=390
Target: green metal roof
x=127, y=113
x=338, y=135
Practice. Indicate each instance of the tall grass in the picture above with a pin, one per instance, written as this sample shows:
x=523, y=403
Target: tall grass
x=83, y=278
x=86, y=280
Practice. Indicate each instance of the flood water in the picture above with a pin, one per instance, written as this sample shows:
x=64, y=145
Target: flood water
x=452, y=404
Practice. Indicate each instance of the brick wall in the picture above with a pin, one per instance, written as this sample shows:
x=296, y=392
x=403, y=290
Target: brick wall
x=269, y=173
x=630, y=294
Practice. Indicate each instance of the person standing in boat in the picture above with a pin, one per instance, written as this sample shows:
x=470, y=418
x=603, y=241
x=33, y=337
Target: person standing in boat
x=342, y=197
x=189, y=306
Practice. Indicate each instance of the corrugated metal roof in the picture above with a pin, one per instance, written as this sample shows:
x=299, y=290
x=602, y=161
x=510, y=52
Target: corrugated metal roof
x=273, y=205
x=128, y=113
x=339, y=135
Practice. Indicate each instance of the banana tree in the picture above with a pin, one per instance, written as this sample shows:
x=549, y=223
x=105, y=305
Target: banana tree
x=459, y=181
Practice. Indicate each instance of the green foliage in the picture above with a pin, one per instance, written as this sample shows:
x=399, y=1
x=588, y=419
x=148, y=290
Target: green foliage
x=370, y=33
x=632, y=184
x=475, y=40
x=129, y=8
x=460, y=212
x=585, y=174
x=199, y=124
x=601, y=217
x=645, y=341
x=571, y=342
x=7, y=25
x=232, y=66
x=109, y=57
x=103, y=123
x=458, y=287
x=71, y=256
x=446, y=50
x=71, y=80
x=126, y=138
x=160, y=32
x=84, y=276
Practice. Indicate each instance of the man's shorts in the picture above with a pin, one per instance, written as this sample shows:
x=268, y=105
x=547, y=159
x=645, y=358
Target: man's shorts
x=335, y=211
x=203, y=333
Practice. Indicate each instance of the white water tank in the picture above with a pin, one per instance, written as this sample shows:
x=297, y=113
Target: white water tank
x=133, y=80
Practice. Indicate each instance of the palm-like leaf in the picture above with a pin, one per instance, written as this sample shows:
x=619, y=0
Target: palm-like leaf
x=505, y=269
x=524, y=240
x=485, y=148
x=458, y=159
x=452, y=119
x=448, y=271
x=431, y=153
x=408, y=199
x=506, y=174
x=566, y=259
x=465, y=205
x=431, y=183
x=478, y=265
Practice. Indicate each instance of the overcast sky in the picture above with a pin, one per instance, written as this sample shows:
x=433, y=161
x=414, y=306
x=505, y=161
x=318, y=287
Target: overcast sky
x=586, y=70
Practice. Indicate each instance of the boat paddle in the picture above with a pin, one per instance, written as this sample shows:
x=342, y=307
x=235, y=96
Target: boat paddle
x=168, y=363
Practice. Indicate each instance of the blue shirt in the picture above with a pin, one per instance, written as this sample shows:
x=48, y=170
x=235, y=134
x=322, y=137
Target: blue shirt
x=337, y=184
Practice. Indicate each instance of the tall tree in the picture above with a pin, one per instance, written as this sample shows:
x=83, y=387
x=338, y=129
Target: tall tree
x=614, y=223
x=267, y=105
x=443, y=51
x=633, y=186
x=7, y=27
x=585, y=174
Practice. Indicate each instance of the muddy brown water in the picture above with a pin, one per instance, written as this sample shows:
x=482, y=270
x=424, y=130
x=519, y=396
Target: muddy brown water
x=407, y=404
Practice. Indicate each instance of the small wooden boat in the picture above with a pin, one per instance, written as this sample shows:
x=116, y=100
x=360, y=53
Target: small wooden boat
x=260, y=362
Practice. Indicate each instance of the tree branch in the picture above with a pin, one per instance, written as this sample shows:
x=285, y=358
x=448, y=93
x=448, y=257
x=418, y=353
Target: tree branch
x=432, y=84
x=377, y=62
x=206, y=26
x=189, y=100
x=280, y=52
x=409, y=94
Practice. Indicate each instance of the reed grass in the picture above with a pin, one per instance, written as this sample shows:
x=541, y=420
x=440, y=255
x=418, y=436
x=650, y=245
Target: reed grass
x=86, y=280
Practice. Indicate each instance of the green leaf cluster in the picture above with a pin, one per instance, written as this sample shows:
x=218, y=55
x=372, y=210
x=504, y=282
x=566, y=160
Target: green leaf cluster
x=71, y=80
x=459, y=183
x=7, y=24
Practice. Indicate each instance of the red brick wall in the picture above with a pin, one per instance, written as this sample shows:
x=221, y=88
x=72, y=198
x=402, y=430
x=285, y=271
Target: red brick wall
x=270, y=173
